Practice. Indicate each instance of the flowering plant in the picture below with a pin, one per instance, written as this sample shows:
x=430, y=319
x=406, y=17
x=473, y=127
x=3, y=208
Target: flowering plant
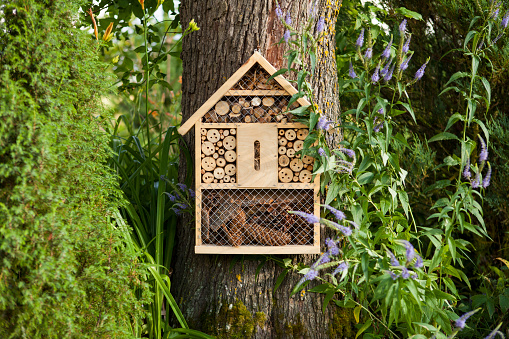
x=373, y=264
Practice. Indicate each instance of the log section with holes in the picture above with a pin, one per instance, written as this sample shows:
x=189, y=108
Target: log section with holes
x=252, y=107
x=218, y=155
x=293, y=168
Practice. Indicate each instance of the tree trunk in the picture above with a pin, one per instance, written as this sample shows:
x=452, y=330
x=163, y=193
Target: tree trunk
x=223, y=294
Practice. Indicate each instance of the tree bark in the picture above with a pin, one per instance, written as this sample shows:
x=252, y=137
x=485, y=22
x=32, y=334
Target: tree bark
x=223, y=294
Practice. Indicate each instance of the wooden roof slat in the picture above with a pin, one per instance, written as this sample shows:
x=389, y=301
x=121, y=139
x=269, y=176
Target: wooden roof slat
x=255, y=58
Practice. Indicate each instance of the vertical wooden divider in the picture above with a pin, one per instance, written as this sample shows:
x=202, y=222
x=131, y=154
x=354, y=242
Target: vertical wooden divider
x=197, y=170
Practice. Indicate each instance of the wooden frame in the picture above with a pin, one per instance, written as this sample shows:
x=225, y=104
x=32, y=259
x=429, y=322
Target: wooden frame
x=203, y=188
x=255, y=58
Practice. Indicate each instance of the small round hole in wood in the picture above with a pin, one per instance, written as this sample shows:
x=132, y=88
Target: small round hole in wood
x=305, y=176
x=285, y=175
x=208, y=148
x=230, y=156
x=229, y=142
x=213, y=135
x=208, y=163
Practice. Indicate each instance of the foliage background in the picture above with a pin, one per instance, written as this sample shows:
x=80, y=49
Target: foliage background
x=64, y=269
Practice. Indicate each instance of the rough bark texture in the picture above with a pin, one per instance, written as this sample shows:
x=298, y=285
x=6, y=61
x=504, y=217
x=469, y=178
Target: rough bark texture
x=221, y=294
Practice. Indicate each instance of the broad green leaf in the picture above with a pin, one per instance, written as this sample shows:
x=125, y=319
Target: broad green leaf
x=364, y=327
x=443, y=136
x=408, y=13
x=456, y=76
x=452, y=120
x=356, y=313
x=403, y=197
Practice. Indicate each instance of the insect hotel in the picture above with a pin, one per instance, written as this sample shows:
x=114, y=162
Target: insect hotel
x=248, y=172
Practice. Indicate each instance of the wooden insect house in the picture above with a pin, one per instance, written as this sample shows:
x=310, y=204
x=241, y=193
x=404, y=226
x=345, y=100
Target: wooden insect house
x=248, y=172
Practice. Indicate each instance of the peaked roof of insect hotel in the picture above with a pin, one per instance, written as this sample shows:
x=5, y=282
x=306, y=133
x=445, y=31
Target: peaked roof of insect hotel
x=256, y=58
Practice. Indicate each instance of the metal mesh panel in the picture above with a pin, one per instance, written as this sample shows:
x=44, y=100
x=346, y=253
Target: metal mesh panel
x=260, y=217
x=253, y=100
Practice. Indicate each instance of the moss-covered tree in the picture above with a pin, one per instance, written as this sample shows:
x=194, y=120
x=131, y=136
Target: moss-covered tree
x=63, y=270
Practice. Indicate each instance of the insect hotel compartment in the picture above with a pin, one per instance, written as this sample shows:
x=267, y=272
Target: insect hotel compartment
x=256, y=217
x=248, y=172
x=218, y=155
x=292, y=166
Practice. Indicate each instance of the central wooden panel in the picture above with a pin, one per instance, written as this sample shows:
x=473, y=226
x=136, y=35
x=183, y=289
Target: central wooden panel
x=257, y=155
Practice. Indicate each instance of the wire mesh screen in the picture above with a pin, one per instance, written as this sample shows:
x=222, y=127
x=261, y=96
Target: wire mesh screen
x=253, y=99
x=256, y=217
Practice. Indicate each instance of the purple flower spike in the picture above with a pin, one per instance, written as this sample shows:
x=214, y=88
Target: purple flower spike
x=376, y=76
x=385, y=70
x=360, y=39
x=404, y=273
x=461, y=321
x=321, y=152
x=419, y=263
x=311, y=275
x=287, y=35
x=466, y=170
x=477, y=181
x=191, y=193
x=406, y=46
x=404, y=64
x=410, y=251
x=378, y=127
x=351, y=72
x=402, y=27
x=341, y=268
x=325, y=258
x=483, y=156
x=394, y=261
x=337, y=213
x=393, y=275
x=353, y=224
x=350, y=153
x=497, y=11
x=420, y=71
x=321, y=24
x=279, y=13
x=311, y=218
x=388, y=76
x=171, y=196
x=487, y=178
x=288, y=19
x=387, y=51
x=333, y=247
x=183, y=187
x=369, y=53
x=323, y=123
x=493, y=334
x=505, y=20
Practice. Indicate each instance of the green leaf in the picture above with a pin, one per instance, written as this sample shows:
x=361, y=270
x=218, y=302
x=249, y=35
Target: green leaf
x=364, y=327
x=357, y=312
x=403, y=197
x=280, y=279
x=456, y=76
x=408, y=13
x=469, y=37
x=488, y=91
x=279, y=72
x=443, y=136
x=503, y=300
x=365, y=178
x=452, y=120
